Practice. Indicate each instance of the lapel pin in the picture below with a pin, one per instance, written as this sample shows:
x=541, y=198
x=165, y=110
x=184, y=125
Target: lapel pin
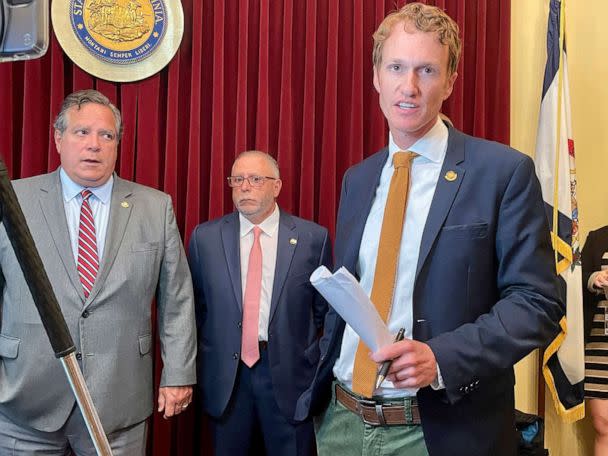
x=451, y=176
x=124, y=204
x=293, y=241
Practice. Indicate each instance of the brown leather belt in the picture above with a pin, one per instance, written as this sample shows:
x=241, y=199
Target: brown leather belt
x=399, y=412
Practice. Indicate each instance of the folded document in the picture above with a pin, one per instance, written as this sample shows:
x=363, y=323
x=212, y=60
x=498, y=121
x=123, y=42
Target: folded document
x=343, y=292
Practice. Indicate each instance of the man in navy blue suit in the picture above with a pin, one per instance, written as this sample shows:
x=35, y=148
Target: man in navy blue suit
x=259, y=255
x=475, y=287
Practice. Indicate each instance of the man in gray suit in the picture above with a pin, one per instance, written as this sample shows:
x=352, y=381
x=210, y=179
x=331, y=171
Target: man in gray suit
x=109, y=247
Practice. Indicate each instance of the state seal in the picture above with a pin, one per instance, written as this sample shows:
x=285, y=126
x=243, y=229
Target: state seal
x=119, y=31
x=126, y=40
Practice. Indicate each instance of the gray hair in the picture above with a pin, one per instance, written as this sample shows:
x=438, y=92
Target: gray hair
x=83, y=97
x=269, y=158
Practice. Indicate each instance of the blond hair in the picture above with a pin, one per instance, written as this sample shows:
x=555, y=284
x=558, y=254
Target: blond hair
x=425, y=18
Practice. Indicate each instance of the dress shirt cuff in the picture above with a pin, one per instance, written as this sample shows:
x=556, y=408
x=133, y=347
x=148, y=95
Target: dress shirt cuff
x=438, y=383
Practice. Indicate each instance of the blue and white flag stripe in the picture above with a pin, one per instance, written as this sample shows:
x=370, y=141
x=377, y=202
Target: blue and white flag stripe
x=564, y=360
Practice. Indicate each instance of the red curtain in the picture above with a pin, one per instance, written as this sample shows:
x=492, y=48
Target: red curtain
x=290, y=77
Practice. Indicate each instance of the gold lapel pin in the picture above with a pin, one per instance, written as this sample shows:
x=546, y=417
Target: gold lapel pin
x=124, y=204
x=293, y=241
x=451, y=176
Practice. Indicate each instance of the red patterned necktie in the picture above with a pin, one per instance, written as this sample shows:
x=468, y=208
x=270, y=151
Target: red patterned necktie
x=88, y=262
x=250, y=350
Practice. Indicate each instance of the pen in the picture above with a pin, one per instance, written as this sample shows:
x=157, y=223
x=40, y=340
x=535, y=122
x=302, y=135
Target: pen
x=386, y=365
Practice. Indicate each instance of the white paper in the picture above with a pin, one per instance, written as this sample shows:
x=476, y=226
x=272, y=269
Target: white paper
x=342, y=291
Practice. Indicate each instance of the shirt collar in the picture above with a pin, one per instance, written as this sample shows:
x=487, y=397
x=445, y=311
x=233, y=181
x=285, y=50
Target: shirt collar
x=431, y=146
x=269, y=226
x=71, y=189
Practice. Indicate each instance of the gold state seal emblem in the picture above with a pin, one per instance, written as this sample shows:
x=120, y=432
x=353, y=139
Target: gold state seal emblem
x=119, y=31
x=122, y=33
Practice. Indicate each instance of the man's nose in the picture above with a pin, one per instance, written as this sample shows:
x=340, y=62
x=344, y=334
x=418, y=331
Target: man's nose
x=408, y=83
x=94, y=143
x=245, y=185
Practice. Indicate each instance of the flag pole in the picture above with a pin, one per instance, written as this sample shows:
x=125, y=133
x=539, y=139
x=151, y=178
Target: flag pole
x=558, y=137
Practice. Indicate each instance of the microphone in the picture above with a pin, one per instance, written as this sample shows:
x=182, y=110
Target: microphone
x=24, y=29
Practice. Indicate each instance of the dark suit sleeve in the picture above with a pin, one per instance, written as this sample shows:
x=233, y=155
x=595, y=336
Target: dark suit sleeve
x=528, y=308
x=339, y=244
x=196, y=266
x=320, y=306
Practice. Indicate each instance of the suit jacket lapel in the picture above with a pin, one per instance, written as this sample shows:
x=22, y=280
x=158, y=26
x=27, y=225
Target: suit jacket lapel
x=231, y=242
x=53, y=210
x=365, y=187
x=445, y=192
x=121, y=204
x=286, y=247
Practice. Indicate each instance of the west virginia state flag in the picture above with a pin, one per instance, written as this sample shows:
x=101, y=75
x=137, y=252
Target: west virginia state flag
x=564, y=359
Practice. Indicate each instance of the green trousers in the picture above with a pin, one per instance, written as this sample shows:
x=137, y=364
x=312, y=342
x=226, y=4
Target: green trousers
x=340, y=432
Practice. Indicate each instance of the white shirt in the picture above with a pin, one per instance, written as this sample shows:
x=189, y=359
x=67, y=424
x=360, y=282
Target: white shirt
x=425, y=172
x=100, y=206
x=269, y=238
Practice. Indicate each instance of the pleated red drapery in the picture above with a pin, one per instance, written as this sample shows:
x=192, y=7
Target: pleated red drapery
x=290, y=77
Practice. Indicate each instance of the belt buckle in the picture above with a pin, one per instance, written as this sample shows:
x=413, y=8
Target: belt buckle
x=366, y=403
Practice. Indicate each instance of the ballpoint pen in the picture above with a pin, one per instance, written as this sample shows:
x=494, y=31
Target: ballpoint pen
x=386, y=365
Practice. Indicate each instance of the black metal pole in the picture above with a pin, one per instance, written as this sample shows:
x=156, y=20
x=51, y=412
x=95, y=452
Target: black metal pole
x=48, y=307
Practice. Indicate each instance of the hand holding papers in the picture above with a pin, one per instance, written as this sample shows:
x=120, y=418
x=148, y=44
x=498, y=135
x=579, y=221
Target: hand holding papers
x=345, y=295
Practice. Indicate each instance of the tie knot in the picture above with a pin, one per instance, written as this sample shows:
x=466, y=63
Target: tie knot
x=256, y=232
x=401, y=159
x=86, y=193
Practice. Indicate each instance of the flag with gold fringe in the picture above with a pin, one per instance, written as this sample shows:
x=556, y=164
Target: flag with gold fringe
x=563, y=360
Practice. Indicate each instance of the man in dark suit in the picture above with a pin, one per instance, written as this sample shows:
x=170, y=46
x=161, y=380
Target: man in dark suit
x=258, y=317
x=472, y=284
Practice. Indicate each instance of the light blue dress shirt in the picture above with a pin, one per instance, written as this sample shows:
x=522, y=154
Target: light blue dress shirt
x=425, y=172
x=100, y=206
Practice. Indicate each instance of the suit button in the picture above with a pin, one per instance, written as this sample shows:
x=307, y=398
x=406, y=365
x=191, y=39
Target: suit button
x=235, y=356
x=240, y=324
x=78, y=356
x=85, y=314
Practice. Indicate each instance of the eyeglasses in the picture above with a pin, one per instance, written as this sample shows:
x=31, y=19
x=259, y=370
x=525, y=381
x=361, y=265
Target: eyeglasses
x=254, y=181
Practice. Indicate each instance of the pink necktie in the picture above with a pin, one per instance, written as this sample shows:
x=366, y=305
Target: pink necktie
x=250, y=350
x=88, y=262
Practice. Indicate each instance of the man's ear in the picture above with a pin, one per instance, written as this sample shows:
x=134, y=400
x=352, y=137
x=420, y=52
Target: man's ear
x=450, y=85
x=376, y=81
x=57, y=136
x=278, y=184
